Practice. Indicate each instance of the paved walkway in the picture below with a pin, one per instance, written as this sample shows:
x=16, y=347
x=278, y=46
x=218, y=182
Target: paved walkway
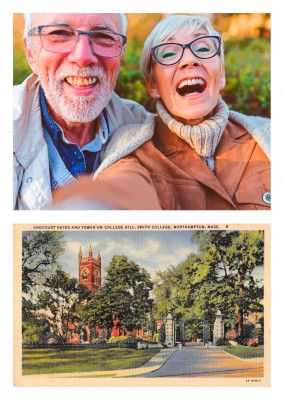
x=196, y=361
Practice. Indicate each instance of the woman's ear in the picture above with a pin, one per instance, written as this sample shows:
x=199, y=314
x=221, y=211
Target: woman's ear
x=222, y=82
x=30, y=55
x=151, y=86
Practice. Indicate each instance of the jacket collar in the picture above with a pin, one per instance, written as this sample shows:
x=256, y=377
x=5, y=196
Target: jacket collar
x=27, y=127
x=168, y=142
x=235, y=144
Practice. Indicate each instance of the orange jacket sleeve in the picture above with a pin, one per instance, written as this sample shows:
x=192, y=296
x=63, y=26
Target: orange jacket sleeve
x=125, y=185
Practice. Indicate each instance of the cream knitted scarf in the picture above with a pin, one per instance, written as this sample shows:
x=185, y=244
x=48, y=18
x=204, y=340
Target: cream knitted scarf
x=203, y=138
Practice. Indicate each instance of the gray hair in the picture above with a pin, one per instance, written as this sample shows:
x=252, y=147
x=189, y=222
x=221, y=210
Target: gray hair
x=168, y=27
x=29, y=18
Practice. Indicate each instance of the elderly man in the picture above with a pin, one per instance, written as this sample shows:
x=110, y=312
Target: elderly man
x=66, y=110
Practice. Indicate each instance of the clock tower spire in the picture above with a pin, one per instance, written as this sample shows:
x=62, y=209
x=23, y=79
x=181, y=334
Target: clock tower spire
x=90, y=270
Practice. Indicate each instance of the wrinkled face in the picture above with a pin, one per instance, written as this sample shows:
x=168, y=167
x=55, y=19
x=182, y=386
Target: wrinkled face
x=77, y=85
x=190, y=88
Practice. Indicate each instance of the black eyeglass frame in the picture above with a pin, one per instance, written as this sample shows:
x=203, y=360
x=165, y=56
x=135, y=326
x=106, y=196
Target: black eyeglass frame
x=37, y=31
x=186, y=46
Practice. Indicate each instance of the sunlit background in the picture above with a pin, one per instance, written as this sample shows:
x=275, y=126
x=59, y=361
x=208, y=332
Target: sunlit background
x=247, y=56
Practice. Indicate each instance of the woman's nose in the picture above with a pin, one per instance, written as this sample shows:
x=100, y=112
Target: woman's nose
x=189, y=60
x=82, y=54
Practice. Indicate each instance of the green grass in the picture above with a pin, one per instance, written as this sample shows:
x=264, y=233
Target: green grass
x=53, y=361
x=244, y=351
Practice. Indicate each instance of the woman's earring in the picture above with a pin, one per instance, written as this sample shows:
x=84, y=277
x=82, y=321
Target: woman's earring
x=157, y=96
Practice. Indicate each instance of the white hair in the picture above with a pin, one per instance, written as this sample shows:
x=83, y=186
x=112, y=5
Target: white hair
x=169, y=26
x=29, y=18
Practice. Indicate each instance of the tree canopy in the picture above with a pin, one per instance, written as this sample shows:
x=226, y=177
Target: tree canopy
x=124, y=297
x=57, y=302
x=221, y=276
x=40, y=253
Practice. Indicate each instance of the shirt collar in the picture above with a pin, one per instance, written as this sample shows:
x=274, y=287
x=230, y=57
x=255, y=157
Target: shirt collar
x=101, y=137
x=51, y=126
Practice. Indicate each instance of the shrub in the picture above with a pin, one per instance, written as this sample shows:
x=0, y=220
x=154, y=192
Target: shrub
x=247, y=64
x=231, y=335
x=219, y=341
x=162, y=334
x=156, y=337
x=252, y=342
x=242, y=342
x=31, y=334
x=126, y=339
x=134, y=339
x=98, y=341
x=130, y=82
x=248, y=328
x=257, y=333
x=118, y=339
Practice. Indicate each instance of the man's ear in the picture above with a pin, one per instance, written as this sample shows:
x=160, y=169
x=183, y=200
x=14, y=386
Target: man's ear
x=30, y=56
x=151, y=86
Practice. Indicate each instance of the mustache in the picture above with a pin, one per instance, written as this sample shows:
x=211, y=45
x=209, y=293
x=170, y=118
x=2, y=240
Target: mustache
x=84, y=72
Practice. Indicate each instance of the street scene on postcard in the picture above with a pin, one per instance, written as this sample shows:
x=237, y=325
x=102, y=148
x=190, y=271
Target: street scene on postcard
x=149, y=303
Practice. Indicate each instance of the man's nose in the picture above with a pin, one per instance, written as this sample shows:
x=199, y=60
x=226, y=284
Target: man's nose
x=189, y=60
x=82, y=54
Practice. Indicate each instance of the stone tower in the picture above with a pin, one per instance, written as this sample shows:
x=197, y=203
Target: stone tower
x=90, y=269
x=218, y=331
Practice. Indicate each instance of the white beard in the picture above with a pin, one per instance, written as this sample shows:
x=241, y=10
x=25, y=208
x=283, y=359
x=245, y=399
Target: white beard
x=78, y=108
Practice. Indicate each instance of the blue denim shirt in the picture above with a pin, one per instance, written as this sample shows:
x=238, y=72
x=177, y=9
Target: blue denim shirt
x=77, y=160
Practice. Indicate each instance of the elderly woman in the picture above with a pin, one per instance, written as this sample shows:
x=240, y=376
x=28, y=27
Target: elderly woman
x=195, y=154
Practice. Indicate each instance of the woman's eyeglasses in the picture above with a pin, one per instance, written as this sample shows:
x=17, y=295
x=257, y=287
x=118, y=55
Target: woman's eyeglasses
x=171, y=53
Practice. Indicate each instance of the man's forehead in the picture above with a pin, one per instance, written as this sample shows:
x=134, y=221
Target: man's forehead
x=86, y=20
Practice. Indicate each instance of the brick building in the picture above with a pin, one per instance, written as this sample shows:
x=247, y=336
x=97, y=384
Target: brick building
x=90, y=270
x=90, y=275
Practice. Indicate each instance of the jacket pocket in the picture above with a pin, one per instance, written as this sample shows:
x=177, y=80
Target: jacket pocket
x=179, y=194
x=254, y=191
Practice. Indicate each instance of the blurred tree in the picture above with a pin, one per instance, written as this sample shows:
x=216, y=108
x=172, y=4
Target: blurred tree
x=247, y=64
x=20, y=65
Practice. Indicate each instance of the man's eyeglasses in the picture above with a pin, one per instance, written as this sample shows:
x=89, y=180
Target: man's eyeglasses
x=62, y=39
x=171, y=53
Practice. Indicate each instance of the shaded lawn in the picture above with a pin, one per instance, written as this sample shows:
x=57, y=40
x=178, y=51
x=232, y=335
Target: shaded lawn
x=244, y=351
x=52, y=361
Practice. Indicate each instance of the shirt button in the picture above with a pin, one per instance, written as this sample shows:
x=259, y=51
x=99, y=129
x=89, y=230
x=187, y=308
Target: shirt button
x=79, y=159
x=267, y=197
x=29, y=179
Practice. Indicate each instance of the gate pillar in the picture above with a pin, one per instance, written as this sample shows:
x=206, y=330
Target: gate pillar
x=170, y=331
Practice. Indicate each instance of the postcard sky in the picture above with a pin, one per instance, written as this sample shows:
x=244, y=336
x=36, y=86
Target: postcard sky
x=152, y=250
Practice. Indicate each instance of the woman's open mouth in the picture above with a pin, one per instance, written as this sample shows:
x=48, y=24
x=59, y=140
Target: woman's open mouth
x=189, y=87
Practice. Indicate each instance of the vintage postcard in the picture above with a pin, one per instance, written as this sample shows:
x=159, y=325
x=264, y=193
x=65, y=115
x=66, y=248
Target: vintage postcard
x=142, y=305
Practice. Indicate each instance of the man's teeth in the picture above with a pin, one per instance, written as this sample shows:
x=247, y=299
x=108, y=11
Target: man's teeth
x=81, y=81
x=191, y=82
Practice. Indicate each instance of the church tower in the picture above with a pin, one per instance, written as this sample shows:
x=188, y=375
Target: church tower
x=90, y=269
